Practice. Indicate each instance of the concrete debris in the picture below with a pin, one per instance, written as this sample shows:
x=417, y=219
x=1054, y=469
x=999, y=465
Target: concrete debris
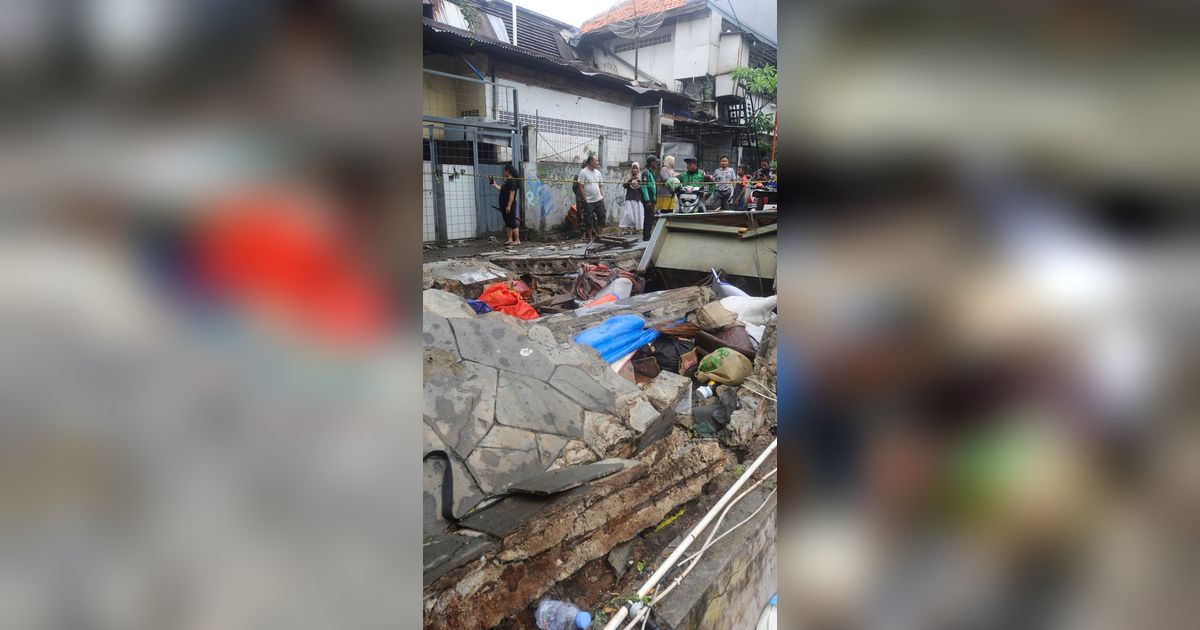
x=506, y=400
x=571, y=531
x=463, y=277
x=666, y=389
x=656, y=308
x=445, y=304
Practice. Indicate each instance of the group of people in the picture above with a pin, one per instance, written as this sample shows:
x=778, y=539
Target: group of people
x=651, y=190
x=646, y=191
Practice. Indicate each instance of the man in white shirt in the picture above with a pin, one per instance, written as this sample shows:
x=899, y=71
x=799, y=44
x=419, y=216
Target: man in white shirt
x=724, y=176
x=592, y=213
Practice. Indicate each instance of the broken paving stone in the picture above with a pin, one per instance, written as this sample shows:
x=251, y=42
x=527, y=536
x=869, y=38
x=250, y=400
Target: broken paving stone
x=445, y=304
x=442, y=554
x=549, y=446
x=437, y=333
x=460, y=403
x=506, y=515
x=533, y=404
x=565, y=479
x=603, y=432
x=463, y=277
x=499, y=345
x=666, y=389
x=660, y=428
x=619, y=557
x=466, y=491
x=573, y=454
x=642, y=415
x=584, y=389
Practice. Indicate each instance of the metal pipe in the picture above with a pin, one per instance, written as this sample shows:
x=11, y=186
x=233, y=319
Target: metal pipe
x=655, y=577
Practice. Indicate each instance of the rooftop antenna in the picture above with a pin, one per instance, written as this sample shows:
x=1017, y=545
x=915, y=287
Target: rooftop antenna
x=635, y=27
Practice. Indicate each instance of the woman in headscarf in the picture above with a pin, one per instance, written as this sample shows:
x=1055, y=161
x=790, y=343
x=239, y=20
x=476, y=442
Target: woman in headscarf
x=666, y=202
x=631, y=209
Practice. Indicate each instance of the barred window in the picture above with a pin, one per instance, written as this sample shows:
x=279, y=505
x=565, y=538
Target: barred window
x=566, y=127
x=664, y=38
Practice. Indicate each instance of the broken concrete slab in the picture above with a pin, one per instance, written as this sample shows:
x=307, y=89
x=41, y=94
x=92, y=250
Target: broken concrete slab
x=535, y=405
x=438, y=334
x=463, y=277
x=571, y=532
x=503, y=456
x=444, y=553
x=657, y=307
x=498, y=345
x=663, y=425
x=573, y=454
x=641, y=415
x=605, y=433
x=445, y=304
x=666, y=389
x=466, y=493
x=563, y=479
x=550, y=447
x=460, y=403
x=506, y=515
x=584, y=389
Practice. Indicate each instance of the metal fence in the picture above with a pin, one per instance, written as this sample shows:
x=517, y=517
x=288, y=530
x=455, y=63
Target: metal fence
x=457, y=199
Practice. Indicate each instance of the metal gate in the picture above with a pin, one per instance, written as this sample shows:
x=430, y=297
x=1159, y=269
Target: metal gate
x=458, y=199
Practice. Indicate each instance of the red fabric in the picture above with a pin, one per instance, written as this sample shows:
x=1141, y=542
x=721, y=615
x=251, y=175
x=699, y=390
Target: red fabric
x=263, y=251
x=503, y=299
x=611, y=297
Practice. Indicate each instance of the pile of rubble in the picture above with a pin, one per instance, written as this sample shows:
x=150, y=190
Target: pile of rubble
x=555, y=456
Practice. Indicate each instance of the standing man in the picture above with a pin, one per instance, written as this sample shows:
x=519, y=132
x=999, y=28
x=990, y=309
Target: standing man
x=592, y=216
x=649, y=196
x=724, y=177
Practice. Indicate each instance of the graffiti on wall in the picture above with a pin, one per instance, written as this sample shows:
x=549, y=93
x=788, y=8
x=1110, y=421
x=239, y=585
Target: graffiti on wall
x=537, y=195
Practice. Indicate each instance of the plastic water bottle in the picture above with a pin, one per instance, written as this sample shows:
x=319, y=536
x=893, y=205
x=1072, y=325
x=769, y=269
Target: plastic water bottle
x=555, y=615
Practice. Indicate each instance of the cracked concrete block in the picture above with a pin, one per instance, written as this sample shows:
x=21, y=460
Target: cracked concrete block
x=506, y=455
x=532, y=404
x=466, y=492
x=549, y=446
x=496, y=344
x=444, y=304
x=584, y=389
x=574, y=454
x=642, y=415
x=666, y=389
x=743, y=426
x=460, y=403
x=603, y=432
x=437, y=333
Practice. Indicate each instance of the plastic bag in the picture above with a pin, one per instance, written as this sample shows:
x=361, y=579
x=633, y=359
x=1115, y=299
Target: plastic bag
x=751, y=310
x=714, y=316
x=480, y=307
x=668, y=352
x=504, y=300
x=617, y=336
x=724, y=366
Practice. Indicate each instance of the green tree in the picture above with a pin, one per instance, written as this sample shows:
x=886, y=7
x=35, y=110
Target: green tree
x=758, y=88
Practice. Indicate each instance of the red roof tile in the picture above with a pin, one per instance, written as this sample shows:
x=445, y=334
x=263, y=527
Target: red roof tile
x=625, y=10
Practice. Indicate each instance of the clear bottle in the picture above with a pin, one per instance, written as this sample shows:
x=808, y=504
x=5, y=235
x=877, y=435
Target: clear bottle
x=555, y=615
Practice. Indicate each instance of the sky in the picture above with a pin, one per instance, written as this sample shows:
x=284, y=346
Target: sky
x=572, y=12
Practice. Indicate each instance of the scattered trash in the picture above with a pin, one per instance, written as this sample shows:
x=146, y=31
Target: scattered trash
x=724, y=289
x=751, y=310
x=503, y=299
x=593, y=279
x=617, y=336
x=724, y=366
x=555, y=615
x=667, y=352
x=479, y=307
x=715, y=316
x=734, y=337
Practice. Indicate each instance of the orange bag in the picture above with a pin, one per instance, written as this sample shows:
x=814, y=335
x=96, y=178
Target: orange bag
x=503, y=299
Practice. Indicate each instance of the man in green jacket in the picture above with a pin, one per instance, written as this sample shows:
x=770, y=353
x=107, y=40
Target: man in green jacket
x=649, y=196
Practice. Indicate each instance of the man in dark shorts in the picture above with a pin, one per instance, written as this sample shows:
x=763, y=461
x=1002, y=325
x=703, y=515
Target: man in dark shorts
x=592, y=214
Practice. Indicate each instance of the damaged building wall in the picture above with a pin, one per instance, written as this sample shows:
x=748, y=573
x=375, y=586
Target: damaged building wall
x=548, y=194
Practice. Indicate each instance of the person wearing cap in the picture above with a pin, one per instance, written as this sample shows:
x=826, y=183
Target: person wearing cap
x=693, y=176
x=649, y=196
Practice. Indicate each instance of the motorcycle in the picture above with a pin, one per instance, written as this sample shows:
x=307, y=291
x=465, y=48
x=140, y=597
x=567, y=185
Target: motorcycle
x=691, y=200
